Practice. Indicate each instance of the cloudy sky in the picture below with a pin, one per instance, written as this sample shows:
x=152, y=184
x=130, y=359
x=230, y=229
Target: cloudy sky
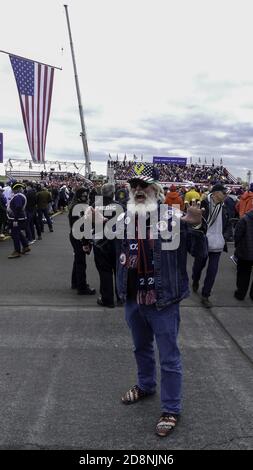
x=157, y=77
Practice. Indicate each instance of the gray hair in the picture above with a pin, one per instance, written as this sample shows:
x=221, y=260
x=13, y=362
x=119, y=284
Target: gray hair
x=159, y=191
x=108, y=189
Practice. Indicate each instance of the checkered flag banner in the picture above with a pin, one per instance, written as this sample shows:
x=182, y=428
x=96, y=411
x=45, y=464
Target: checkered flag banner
x=145, y=172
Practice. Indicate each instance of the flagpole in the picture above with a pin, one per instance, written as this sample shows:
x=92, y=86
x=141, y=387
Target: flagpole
x=83, y=133
x=30, y=60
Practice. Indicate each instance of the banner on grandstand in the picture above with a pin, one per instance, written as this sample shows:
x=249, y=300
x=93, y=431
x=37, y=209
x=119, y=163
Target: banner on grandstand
x=1, y=148
x=170, y=160
x=35, y=85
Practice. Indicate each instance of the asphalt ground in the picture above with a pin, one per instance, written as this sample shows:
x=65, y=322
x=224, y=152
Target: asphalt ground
x=65, y=362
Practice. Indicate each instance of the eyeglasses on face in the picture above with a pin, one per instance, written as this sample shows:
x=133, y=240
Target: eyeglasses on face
x=135, y=183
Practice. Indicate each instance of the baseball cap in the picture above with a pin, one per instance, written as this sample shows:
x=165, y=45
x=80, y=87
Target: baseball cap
x=17, y=185
x=219, y=187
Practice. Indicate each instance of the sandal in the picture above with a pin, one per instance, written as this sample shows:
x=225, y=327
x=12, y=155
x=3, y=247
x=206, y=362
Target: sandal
x=133, y=395
x=166, y=424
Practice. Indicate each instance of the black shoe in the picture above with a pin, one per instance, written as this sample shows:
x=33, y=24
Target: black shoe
x=87, y=291
x=206, y=302
x=195, y=286
x=103, y=304
x=51, y=229
x=120, y=303
x=238, y=296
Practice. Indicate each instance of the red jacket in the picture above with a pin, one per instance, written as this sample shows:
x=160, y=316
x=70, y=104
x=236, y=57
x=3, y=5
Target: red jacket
x=172, y=197
x=246, y=203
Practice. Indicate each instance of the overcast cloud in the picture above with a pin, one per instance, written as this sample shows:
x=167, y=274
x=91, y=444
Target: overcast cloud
x=157, y=77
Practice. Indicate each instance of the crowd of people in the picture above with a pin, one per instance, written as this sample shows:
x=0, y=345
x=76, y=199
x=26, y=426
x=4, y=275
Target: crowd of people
x=197, y=173
x=139, y=273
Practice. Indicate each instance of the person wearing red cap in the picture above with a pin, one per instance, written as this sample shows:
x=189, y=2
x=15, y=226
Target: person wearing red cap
x=173, y=198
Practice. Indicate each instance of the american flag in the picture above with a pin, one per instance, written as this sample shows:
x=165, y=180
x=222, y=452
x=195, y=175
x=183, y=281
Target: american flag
x=35, y=86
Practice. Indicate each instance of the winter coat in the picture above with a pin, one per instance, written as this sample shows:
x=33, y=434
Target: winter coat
x=172, y=198
x=244, y=237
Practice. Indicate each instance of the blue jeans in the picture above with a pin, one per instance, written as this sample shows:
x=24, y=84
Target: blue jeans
x=44, y=212
x=145, y=323
x=211, y=272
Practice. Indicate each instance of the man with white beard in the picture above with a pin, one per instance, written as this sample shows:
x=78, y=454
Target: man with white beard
x=152, y=281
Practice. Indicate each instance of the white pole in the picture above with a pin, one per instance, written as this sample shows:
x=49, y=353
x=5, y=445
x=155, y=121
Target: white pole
x=83, y=133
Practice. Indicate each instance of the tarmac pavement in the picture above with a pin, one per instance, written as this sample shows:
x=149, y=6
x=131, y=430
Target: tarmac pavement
x=65, y=362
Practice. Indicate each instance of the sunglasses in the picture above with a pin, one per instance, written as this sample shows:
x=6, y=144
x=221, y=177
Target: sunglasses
x=135, y=183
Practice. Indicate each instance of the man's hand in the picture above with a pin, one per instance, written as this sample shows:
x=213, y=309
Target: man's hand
x=193, y=213
x=87, y=248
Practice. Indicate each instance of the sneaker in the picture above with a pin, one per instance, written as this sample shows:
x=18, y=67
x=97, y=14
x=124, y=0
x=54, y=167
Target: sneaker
x=25, y=250
x=167, y=422
x=234, y=259
x=2, y=236
x=134, y=394
x=15, y=254
x=195, y=286
x=31, y=242
x=87, y=291
x=206, y=302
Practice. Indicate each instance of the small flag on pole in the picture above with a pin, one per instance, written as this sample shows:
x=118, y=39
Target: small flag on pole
x=35, y=86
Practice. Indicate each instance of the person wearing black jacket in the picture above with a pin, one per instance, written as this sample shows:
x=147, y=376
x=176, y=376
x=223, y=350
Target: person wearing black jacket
x=217, y=219
x=105, y=252
x=244, y=253
x=80, y=247
x=32, y=216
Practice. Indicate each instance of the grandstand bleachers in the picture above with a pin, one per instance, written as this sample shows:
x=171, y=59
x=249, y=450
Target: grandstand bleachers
x=177, y=174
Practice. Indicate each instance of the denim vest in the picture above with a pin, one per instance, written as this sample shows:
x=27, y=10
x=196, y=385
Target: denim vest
x=171, y=279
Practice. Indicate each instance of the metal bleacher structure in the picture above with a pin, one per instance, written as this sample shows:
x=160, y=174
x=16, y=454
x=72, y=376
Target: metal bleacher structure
x=16, y=168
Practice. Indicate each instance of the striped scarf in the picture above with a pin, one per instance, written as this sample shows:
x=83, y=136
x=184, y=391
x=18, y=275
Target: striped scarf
x=140, y=257
x=213, y=212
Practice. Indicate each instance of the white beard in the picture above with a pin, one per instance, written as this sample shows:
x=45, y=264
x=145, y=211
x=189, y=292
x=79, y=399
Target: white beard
x=141, y=208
